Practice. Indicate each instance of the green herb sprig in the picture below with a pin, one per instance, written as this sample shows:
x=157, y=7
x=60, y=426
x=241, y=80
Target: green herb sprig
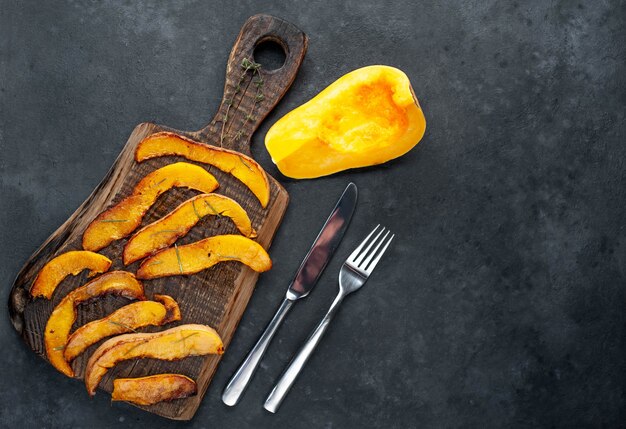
x=258, y=98
x=193, y=204
x=244, y=162
x=236, y=258
x=159, y=182
x=122, y=325
x=247, y=65
x=215, y=212
x=165, y=231
x=185, y=338
x=133, y=348
x=180, y=263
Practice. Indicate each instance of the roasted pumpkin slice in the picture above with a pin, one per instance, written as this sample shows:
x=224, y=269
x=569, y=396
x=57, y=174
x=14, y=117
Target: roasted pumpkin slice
x=126, y=319
x=173, y=310
x=73, y=263
x=172, y=344
x=153, y=388
x=165, y=231
x=203, y=254
x=64, y=315
x=244, y=168
x=123, y=218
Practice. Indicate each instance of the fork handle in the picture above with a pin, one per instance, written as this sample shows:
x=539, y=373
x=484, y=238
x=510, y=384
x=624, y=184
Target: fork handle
x=279, y=392
x=242, y=377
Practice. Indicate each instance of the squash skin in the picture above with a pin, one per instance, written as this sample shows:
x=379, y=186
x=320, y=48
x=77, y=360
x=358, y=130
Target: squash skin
x=242, y=167
x=172, y=344
x=63, y=316
x=124, y=217
x=68, y=263
x=367, y=117
x=200, y=255
x=153, y=389
x=123, y=320
x=165, y=231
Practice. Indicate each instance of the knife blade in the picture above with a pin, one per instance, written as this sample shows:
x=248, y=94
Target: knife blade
x=304, y=280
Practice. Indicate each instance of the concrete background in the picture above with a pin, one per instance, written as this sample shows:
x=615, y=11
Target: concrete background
x=502, y=302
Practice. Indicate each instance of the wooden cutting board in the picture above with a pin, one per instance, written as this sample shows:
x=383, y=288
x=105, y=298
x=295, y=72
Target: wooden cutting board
x=217, y=296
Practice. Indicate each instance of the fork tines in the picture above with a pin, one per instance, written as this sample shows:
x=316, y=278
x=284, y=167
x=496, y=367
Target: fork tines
x=365, y=260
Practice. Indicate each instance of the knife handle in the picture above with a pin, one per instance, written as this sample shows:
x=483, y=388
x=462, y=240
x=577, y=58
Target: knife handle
x=238, y=383
x=279, y=392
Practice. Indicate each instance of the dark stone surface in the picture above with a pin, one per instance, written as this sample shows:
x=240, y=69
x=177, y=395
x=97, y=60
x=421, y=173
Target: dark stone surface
x=502, y=302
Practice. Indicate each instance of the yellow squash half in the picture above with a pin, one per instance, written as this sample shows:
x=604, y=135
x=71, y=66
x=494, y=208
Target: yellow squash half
x=367, y=117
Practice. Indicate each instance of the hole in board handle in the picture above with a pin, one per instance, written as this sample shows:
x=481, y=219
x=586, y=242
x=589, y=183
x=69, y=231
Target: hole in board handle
x=270, y=54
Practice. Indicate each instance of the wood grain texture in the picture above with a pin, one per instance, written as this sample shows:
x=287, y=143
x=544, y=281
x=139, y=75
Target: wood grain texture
x=217, y=296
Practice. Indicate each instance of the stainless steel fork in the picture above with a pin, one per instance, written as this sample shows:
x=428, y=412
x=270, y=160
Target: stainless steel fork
x=353, y=274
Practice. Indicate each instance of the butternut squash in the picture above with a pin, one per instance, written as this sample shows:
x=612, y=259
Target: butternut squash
x=126, y=319
x=123, y=218
x=165, y=231
x=72, y=262
x=200, y=255
x=367, y=117
x=172, y=344
x=240, y=166
x=63, y=316
x=153, y=388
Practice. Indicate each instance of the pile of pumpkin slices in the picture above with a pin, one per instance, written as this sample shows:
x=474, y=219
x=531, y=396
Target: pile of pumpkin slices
x=153, y=245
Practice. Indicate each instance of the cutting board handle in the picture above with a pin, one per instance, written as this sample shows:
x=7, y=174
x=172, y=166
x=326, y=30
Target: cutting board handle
x=250, y=91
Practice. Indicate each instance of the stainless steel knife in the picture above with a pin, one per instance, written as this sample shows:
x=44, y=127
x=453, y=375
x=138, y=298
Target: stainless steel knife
x=306, y=277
